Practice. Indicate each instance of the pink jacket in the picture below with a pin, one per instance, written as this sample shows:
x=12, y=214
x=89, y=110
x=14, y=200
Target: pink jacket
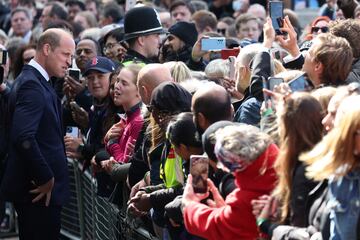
x=133, y=125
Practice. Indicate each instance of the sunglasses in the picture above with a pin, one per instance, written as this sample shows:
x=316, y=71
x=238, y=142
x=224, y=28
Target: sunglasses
x=316, y=29
x=221, y=31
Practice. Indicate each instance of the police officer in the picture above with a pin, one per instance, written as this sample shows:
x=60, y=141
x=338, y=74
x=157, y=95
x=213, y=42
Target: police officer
x=142, y=33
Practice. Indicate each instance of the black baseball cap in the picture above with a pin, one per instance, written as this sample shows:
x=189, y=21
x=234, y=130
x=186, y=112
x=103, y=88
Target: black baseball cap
x=171, y=97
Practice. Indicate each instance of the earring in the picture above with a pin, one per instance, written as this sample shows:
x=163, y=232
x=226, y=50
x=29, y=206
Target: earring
x=356, y=152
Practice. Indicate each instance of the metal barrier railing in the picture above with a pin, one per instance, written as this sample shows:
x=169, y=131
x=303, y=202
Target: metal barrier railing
x=89, y=216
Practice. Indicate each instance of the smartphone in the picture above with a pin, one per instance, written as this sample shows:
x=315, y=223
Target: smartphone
x=3, y=56
x=75, y=106
x=299, y=84
x=72, y=131
x=232, y=67
x=276, y=9
x=226, y=53
x=1, y=74
x=272, y=82
x=75, y=74
x=199, y=169
x=214, y=43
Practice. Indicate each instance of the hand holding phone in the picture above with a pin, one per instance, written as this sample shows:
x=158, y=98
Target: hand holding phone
x=232, y=67
x=74, y=74
x=72, y=132
x=199, y=168
x=299, y=84
x=75, y=107
x=276, y=9
x=3, y=56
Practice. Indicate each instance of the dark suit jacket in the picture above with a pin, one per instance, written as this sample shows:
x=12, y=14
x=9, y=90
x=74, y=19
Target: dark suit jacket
x=37, y=151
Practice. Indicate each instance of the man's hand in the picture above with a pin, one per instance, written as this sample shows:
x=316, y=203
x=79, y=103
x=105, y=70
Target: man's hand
x=136, y=188
x=197, y=53
x=80, y=116
x=76, y=87
x=107, y=165
x=72, y=144
x=95, y=167
x=142, y=202
x=43, y=190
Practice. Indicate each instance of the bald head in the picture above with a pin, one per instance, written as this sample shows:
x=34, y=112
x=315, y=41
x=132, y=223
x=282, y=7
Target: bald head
x=213, y=102
x=150, y=77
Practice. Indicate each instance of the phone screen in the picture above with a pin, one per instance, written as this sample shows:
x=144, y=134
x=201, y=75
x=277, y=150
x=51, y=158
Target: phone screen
x=208, y=44
x=1, y=74
x=3, y=56
x=74, y=73
x=299, y=84
x=199, y=168
x=72, y=131
x=232, y=67
x=277, y=15
x=273, y=81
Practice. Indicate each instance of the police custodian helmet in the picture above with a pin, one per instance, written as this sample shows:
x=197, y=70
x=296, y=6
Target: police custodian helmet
x=140, y=21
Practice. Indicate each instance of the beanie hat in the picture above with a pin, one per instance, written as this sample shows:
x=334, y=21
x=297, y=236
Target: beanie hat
x=185, y=31
x=140, y=21
x=171, y=97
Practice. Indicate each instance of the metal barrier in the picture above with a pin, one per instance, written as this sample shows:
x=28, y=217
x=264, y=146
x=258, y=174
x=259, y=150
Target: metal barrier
x=88, y=216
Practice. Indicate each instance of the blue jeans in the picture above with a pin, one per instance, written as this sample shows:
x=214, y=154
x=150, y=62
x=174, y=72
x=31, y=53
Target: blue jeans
x=345, y=206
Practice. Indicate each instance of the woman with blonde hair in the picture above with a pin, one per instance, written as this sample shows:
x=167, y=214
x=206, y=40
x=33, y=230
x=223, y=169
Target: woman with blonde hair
x=179, y=71
x=337, y=158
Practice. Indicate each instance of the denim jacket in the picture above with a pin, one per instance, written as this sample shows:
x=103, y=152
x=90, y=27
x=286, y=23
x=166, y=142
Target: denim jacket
x=345, y=206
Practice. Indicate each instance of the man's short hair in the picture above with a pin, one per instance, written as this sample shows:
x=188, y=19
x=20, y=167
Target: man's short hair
x=178, y=3
x=50, y=37
x=24, y=10
x=244, y=18
x=97, y=45
x=58, y=10
x=336, y=56
x=214, y=108
x=203, y=19
x=114, y=11
x=350, y=30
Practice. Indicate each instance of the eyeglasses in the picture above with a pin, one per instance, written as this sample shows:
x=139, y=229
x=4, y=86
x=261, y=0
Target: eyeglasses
x=110, y=46
x=316, y=29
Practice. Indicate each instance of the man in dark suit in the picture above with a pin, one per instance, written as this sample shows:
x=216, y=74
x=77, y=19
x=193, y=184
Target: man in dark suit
x=36, y=177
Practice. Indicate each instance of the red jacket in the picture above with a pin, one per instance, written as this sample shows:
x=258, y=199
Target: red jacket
x=235, y=220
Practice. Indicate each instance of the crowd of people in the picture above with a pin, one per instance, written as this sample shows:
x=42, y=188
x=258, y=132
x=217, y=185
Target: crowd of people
x=129, y=92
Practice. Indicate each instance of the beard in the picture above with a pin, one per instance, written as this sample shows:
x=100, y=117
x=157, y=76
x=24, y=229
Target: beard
x=199, y=130
x=168, y=54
